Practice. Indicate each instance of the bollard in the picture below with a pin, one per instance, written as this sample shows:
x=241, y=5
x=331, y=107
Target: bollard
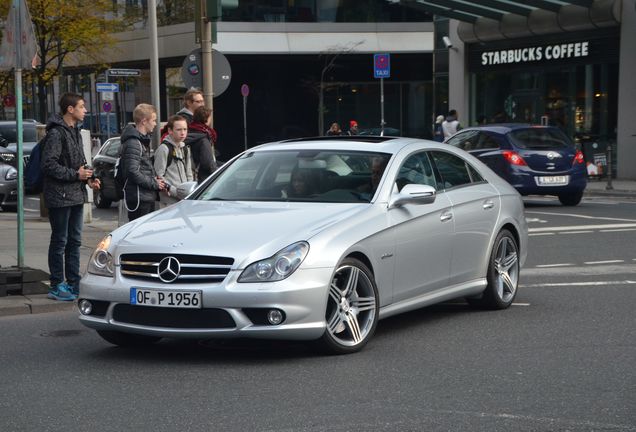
x=609, y=167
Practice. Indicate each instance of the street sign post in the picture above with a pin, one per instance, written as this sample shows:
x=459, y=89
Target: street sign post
x=382, y=69
x=245, y=91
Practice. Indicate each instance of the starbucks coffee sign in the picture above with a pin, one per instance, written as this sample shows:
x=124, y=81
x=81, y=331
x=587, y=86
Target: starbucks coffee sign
x=537, y=53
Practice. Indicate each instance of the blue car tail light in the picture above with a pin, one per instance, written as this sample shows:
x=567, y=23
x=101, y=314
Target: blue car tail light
x=513, y=158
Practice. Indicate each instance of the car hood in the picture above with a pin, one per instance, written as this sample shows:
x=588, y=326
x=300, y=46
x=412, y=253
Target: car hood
x=245, y=231
x=27, y=147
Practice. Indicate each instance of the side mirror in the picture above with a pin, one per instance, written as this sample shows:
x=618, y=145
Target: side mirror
x=185, y=189
x=3, y=142
x=413, y=194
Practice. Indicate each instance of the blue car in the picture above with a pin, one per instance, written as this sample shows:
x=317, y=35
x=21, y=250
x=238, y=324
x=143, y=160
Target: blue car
x=535, y=160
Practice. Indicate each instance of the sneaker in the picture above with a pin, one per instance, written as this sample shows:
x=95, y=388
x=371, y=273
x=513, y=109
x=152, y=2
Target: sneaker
x=61, y=292
x=73, y=288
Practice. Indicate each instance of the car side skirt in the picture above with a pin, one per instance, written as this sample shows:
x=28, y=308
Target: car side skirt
x=465, y=289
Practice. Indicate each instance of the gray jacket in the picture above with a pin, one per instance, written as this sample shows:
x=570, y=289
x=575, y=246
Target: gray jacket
x=62, y=156
x=141, y=184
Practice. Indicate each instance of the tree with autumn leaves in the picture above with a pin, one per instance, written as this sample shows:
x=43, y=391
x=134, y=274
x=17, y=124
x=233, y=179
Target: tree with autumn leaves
x=70, y=29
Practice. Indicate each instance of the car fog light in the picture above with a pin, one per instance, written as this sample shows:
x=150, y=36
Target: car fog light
x=85, y=307
x=274, y=316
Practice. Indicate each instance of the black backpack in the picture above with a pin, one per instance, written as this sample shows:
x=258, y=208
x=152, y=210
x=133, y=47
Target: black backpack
x=33, y=175
x=120, y=174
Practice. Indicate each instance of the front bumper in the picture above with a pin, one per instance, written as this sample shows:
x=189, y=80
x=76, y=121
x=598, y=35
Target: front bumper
x=302, y=297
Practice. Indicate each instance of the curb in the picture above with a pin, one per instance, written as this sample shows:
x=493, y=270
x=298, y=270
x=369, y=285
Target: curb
x=34, y=304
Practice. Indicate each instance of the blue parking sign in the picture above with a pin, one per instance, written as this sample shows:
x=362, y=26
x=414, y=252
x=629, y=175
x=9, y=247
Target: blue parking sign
x=382, y=65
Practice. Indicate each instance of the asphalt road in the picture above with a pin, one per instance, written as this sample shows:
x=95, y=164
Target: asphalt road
x=562, y=358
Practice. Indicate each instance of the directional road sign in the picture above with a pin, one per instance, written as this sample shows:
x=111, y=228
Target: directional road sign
x=107, y=87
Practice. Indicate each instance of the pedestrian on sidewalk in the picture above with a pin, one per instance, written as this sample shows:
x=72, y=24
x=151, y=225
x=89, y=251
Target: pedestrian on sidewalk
x=65, y=176
x=202, y=142
x=142, y=183
x=172, y=159
x=451, y=125
x=192, y=100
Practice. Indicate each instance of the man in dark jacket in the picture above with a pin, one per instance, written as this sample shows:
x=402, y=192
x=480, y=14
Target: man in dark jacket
x=65, y=176
x=142, y=184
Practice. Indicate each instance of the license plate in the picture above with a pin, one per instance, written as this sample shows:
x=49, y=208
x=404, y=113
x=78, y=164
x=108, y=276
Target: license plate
x=553, y=180
x=165, y=298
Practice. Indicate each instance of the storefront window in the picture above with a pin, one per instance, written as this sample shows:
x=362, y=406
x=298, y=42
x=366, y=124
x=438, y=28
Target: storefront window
x=580, y=100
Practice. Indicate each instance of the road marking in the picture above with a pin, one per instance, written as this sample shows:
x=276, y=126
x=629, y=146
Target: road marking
x=576, y=232
x=520, y=304
x=581, y=227
x=619, y=230
x=582, y=216
x=554, y=265
x=530, y=220
x=540, y=234
x=567, y=284
x=603, y=262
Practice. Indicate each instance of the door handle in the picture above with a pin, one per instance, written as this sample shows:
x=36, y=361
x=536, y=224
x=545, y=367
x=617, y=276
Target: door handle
x=445, y=217
x=488, y=205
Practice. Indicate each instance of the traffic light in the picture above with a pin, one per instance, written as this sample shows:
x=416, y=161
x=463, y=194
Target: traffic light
x=213, y=10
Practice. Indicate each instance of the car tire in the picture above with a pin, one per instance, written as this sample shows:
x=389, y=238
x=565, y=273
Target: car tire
x=571, y=199
x=352, y=308
x=502, y=276
x=127, y=339
x=9, y=208
x=100, y=201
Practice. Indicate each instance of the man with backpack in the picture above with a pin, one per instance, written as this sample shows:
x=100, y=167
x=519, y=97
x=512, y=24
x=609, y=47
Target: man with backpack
x=65, y=174
x=141, y=183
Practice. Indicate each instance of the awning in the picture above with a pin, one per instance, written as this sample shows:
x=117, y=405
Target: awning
x=488, y=20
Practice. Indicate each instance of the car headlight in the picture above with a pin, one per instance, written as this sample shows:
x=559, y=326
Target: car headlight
x=12, y=174
x=277, y=267
x=8, y=158
x=102, y=262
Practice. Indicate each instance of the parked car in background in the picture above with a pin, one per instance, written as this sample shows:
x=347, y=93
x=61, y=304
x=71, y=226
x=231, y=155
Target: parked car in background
x=29, y=140
x=8, y=181
x=536, y=160
x=104, y=166
x=311, y=239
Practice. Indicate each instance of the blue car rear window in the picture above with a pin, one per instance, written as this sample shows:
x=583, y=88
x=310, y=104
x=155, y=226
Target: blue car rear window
x=539, y=139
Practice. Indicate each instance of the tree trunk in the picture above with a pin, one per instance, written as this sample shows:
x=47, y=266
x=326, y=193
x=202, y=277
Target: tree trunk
x=42, y=102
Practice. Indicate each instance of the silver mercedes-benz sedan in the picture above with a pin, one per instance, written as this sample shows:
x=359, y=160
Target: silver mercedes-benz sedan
x=311, y=239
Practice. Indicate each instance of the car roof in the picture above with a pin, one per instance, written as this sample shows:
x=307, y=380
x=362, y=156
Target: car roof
x=371, y=143
x=504, y=128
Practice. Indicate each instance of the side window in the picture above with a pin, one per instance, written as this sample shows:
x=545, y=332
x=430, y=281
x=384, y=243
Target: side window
x=416, y=169
x=466, y=140
x=452, y=169
x=486, y=142
x=113, y=149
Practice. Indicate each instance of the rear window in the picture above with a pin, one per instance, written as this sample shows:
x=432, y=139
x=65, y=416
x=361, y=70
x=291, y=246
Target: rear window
x=29, y=132
x=539, y=138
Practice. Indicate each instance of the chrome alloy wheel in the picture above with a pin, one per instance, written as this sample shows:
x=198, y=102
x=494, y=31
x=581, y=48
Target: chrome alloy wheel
x=506, y=266
x=351, y=307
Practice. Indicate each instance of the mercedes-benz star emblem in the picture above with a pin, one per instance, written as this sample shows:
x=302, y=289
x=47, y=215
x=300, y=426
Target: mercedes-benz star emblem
x=169, y=269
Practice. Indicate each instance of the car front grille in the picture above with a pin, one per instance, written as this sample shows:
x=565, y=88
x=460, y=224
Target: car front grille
x=194, y=268
x=173, y=317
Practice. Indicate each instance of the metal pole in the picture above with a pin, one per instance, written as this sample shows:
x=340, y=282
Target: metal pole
x=382, y=106
x=206, y=60
x=19, y=135
x=609, y=167
x=154, y=67
x=245, y=120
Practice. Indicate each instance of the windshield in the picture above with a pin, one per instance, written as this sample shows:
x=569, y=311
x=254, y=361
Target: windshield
x=292, y=175
x=540, y=139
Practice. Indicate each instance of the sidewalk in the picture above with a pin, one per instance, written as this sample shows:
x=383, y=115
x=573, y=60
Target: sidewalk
x=37, y=233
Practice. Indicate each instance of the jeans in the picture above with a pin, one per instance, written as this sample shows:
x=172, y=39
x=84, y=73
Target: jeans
x=144, y=208
x=66, y=239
